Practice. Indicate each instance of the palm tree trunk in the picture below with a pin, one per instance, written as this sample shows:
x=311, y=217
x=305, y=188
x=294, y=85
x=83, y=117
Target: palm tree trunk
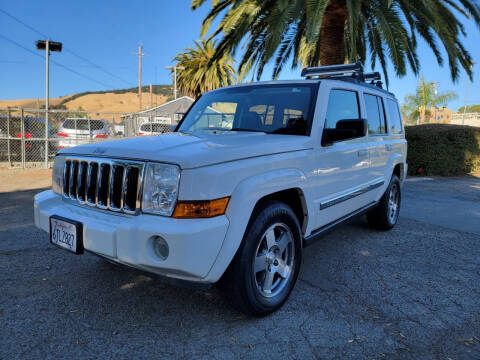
x=332, y=44
x=422, y=114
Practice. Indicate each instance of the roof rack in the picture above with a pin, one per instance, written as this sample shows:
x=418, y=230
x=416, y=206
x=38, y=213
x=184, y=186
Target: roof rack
x=342, y=71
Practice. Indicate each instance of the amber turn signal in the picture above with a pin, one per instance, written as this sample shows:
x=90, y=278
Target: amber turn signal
x=200, y=209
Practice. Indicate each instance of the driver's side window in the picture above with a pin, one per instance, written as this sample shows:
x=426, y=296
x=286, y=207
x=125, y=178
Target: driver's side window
x=342, y=105
x=343, y=120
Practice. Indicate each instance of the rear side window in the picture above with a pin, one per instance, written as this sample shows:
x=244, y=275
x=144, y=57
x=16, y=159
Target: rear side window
x=394, y=119
x=375, y=114
x=83, y=124
x=342, y=105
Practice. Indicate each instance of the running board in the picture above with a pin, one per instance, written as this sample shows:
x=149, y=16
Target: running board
x=319, y=233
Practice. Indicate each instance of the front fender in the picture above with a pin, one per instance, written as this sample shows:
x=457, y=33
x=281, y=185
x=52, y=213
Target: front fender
x=243, y=200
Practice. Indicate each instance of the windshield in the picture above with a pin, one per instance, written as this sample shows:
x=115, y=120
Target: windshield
x=274, y=109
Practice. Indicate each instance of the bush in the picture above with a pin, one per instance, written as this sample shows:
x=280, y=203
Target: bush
x=443, y=150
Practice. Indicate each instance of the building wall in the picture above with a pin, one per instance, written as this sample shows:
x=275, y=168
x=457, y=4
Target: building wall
x=471, y=119
x=441, y=115
x=169, y=113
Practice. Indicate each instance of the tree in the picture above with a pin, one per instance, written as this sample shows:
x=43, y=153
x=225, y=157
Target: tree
x=470, y=109
x=418, y=106
x=327, y=32
x=203, y=72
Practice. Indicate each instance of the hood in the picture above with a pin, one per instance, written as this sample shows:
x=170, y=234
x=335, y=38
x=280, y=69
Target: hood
x=195, y=150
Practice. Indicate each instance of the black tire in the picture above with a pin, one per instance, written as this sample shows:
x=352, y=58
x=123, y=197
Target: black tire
x=241, y=281
x=381, y=218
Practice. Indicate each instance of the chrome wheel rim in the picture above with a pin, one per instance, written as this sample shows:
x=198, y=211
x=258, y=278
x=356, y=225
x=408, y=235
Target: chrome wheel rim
x=274, y=260
x=393, y=203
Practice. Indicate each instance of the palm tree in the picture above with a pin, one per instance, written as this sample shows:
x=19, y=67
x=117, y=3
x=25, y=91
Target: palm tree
x=418, y=106
x=326, y=32
x=203, y=72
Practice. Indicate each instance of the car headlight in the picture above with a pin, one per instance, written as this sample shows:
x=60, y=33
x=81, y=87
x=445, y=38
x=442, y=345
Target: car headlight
x=160, y=188
x=57, y=175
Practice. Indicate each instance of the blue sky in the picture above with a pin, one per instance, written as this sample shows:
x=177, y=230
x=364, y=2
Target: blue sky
x=108, y=32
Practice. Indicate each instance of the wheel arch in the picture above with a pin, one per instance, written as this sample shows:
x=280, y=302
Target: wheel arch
x=286, y=185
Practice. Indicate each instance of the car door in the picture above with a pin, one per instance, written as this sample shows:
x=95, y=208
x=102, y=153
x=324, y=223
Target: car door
x=341, y=170
x=378, y=142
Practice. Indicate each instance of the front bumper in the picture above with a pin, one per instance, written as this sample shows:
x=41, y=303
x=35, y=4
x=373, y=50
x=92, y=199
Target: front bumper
x=193, y=243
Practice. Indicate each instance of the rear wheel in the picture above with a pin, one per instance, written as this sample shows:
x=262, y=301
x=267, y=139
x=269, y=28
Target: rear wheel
x=266, y=266
x=385, y=215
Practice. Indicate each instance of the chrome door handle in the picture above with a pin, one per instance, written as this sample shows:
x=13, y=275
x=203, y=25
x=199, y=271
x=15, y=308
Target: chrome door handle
x=388, y=147
x=362, y=153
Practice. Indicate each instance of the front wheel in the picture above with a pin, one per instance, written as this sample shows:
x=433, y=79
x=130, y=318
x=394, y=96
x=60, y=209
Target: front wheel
x=385, y=215
x=266, y=266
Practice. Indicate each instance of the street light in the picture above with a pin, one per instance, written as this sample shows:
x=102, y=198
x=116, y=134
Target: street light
x=48, y=46
x=175, y=68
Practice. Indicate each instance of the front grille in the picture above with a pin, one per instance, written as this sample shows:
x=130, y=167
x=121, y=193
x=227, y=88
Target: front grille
x=107, y=184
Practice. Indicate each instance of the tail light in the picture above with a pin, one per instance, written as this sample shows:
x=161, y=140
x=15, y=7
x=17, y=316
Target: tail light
x=62, y=134
x=141, y=134
x=101, y=136
x=27, y=135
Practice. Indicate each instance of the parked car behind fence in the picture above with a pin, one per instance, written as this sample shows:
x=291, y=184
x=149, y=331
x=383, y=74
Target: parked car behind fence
x=78, y=131
x=23, y=138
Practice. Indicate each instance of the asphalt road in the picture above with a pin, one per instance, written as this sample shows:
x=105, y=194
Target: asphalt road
x=412, y=293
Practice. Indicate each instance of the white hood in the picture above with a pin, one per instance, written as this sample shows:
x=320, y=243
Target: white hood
x=192, y=151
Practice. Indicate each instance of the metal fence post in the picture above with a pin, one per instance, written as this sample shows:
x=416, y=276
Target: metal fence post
x=22, y=142
x=46, y=138
x=89, y=130
x=8, y=139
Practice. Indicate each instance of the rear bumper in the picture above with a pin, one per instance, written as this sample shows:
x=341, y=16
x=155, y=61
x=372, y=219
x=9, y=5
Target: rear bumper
x=193, y=243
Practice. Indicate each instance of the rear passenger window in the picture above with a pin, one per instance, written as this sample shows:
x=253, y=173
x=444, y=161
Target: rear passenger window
x=342, y=105
x=393, y=117
x=375, y=114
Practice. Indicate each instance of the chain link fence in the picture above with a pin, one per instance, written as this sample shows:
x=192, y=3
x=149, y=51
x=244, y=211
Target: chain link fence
x=30, y=138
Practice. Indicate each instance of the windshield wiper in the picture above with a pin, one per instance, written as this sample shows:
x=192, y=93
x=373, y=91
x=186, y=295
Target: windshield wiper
x=241, y=129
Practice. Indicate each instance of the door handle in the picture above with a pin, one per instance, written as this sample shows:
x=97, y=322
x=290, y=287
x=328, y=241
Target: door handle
x=388, y=147
x=362, y=153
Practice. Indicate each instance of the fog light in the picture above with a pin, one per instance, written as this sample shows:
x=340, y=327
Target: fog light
x=160, y=247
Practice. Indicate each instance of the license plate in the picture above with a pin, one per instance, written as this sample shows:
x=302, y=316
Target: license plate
x=66, y=233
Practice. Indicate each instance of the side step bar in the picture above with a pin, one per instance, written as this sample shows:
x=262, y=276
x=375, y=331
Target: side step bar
x=319, y=233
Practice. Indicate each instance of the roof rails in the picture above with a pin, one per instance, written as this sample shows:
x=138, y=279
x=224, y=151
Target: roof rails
x=342, y=72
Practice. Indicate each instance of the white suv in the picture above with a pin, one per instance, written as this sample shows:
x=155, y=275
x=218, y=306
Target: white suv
x=236, y=203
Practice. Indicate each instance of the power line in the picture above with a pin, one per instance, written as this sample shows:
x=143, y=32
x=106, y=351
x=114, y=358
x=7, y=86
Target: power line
x=96, y=66
x=24, y=24
x=65, y=48
x=56, y=62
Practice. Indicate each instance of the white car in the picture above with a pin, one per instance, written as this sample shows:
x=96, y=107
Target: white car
x=78, y=131
x=236, y=203
x=154, y=128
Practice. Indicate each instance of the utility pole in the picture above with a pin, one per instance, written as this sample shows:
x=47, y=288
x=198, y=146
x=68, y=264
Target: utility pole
x=150, y=95
x=140, y=54
x=175, y=68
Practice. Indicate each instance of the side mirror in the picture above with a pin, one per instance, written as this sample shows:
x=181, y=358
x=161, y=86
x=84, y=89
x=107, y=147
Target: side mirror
x=345, y=130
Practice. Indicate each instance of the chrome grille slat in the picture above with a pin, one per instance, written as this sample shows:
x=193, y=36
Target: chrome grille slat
x=73, y=180
x=107, y=184
x=81, y=182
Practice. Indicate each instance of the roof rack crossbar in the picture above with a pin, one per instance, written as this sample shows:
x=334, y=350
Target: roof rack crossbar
x=346, y=72
x=372, y=76
x=355, y=69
